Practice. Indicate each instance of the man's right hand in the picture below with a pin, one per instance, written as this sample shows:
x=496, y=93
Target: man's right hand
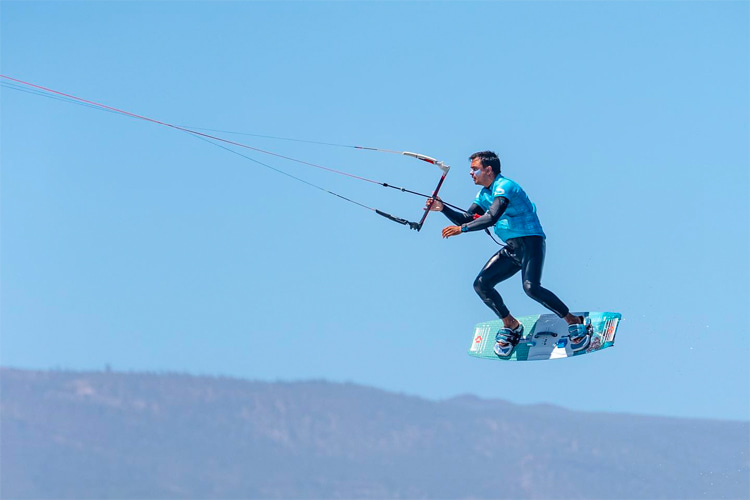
x=437, y=205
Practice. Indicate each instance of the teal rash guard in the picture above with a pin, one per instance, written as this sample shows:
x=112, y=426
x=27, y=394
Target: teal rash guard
x=504, y=205
x=519, y=218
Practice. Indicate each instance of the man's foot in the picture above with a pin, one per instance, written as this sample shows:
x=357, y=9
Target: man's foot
x=506, y=340
x=580, y=334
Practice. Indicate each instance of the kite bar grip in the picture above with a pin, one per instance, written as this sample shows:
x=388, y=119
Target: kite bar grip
x=418, y=156
x=442, y=166
x=412, y=225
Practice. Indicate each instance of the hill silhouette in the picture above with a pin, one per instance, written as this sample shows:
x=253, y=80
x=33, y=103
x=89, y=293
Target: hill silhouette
x=84, y=435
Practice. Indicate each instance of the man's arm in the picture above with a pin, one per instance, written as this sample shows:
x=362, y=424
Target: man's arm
x=483, y=222
x=459, y=218
x=488, y=219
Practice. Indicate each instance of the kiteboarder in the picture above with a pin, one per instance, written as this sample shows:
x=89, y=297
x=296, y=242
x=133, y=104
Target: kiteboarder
x=502, y=203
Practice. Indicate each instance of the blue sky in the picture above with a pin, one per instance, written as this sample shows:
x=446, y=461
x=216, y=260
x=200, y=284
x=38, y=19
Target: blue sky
x=131, y=244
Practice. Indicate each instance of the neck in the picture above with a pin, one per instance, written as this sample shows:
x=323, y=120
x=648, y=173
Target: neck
x=489, y=182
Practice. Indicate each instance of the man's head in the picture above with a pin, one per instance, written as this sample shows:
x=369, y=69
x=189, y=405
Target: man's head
x=485, y=166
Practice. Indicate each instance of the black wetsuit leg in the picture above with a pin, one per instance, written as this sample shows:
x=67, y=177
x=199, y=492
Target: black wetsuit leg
x=531, y=250
x=524, y=254
x=500, y=267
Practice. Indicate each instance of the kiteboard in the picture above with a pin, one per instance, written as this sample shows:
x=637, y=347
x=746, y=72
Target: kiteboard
x=545, y=337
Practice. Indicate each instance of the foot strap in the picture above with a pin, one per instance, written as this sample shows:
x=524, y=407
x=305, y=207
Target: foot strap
x=507, y=336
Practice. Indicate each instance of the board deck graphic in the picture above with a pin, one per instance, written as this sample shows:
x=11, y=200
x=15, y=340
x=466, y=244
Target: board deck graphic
x=545, y=337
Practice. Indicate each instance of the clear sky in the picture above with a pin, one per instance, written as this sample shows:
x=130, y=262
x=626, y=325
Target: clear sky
x=129, y=244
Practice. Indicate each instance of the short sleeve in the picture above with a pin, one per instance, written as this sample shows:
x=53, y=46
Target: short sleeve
x=503, y=188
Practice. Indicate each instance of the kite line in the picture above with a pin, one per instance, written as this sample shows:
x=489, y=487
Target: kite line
x=223, y=143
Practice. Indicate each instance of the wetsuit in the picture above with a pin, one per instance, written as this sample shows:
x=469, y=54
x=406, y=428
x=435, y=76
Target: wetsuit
x=505, y=206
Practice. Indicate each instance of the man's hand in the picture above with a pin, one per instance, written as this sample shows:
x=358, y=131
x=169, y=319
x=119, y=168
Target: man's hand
x=451, y=231
x=437, y=205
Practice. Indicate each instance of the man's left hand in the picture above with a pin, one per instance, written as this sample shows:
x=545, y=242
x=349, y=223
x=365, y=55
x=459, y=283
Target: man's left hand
x=451, y=231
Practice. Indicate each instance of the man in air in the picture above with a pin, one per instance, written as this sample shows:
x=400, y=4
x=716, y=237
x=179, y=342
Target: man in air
x=502, y=203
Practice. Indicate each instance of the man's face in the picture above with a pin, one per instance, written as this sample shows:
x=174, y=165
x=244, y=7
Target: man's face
x=482, y=176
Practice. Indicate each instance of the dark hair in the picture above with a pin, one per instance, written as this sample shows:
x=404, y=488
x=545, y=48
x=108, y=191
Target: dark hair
x=488, y=158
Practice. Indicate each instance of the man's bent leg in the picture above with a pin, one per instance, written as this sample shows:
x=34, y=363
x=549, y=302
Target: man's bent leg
x=532, y=263
x=499, y=268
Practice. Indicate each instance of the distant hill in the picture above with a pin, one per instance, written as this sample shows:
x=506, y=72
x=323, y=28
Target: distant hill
x=66, y=435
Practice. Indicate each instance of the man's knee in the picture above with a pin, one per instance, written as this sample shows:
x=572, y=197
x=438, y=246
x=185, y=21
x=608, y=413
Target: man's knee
x=532, y=289
x=480, y=286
